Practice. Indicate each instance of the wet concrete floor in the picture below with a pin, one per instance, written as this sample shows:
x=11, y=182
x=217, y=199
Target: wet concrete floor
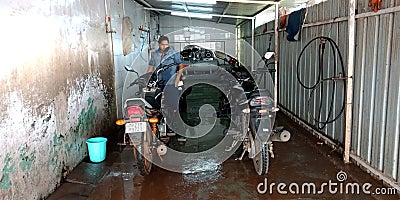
x=302, y=162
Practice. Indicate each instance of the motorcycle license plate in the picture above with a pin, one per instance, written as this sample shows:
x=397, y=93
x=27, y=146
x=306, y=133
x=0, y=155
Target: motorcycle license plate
x=135, y=127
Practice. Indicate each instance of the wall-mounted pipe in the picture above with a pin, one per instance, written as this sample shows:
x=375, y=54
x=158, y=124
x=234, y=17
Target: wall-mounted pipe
x=350, y=69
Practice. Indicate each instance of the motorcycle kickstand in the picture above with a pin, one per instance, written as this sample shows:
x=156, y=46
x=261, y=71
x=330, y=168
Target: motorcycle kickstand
x=241, y=157
x=271, y=150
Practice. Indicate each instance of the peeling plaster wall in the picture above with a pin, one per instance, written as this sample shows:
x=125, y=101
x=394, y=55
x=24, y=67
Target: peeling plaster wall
x=56, y=90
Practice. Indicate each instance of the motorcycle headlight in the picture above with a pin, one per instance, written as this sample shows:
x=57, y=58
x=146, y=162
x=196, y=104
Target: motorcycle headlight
x=261, y=101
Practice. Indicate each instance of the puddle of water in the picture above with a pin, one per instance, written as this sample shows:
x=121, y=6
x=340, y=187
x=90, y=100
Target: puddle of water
x=201, y=171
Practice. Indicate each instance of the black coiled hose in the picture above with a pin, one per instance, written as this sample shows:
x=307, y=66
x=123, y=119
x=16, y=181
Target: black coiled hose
x=321, y=80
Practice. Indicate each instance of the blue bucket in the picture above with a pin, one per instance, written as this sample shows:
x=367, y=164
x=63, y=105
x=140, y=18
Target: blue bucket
x=97, y=148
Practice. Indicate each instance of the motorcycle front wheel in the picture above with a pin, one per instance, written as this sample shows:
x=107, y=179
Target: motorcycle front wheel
x=143, y=154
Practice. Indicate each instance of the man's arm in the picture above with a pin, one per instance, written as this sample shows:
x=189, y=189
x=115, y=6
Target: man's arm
x=179, y=74
x=150, y=69
x=152, y=62
x=177, y=59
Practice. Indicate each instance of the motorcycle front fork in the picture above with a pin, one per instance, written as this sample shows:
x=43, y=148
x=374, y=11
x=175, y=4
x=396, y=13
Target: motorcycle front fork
x=249, y=142
x=249, y=147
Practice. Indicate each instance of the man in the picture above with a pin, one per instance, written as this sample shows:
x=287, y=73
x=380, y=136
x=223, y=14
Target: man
x=165, y=56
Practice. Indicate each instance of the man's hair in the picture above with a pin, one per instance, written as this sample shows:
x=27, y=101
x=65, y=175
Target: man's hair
x=162, y=38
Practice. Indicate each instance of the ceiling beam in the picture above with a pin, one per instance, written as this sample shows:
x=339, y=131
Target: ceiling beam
x=145, y=4
x=214, y=15
x=224, y=12
x=253, y=2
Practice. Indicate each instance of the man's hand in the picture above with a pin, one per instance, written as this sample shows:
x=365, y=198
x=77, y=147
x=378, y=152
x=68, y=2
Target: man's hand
x=150, y=69
x=179, y=74
x=375, y=5
x=176, y=82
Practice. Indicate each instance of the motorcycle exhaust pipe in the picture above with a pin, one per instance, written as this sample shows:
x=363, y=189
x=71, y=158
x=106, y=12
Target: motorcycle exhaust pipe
x=161, y=150
x=283, y=136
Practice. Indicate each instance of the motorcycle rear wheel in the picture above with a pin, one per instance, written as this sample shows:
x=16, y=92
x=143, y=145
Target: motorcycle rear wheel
x=143, y=154
x=261, y=160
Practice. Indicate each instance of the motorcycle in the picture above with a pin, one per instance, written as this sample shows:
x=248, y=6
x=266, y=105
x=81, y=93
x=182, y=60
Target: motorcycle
x=258, y=140
x=145, y=127
x=258, y=116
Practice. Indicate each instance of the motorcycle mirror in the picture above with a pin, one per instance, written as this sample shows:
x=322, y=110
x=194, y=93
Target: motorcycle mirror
x=129, y=68
x=269, y=55
x=220, y=55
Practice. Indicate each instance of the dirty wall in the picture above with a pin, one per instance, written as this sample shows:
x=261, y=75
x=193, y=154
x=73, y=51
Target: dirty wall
x=376, y=106
x=56, y=88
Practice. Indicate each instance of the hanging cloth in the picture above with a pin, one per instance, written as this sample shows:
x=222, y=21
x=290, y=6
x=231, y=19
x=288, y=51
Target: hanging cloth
x=295, y=21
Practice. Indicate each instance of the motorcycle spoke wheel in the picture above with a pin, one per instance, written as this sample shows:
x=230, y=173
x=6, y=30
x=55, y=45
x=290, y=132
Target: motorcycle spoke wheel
x=261, y=160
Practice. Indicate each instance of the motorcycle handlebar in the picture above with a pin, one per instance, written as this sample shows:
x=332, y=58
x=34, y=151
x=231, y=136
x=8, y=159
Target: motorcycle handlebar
x=143, y=78
x=163, y=68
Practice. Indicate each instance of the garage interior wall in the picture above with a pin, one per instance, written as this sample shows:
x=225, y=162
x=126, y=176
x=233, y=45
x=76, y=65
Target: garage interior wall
x=138, y=56
x=169, y=24
x=376, y=94
x=57, y=89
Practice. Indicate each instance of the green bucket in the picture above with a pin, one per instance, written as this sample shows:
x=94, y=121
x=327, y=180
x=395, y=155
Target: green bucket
x=97, y=148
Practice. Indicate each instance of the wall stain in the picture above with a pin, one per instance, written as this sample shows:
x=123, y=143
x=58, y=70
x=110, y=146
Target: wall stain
x=47, y=118
x=85, y=125
x=53, y=160
x=29, y=174
x=5, y=182
x=26, y=159
x=86, y=119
